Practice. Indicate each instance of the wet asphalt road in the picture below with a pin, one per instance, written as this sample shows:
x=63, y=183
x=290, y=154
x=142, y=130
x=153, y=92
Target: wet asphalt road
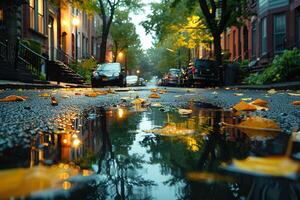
x=20, y=121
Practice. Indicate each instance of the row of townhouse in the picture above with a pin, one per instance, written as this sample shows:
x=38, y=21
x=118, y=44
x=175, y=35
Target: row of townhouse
x=55, y=26
x=274, y=27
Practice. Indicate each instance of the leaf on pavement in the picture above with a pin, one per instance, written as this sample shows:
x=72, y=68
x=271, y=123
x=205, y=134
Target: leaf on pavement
x=238, y=94
x=296, y=103
x=161, y=91
x=77, y=93
x=153, y=89
x=243, y=106
x=156, y=105
x=260, y=102
x=274, y=166
x=185, y=111
x=91, y=94
x=54, y=101
x=44, y=95
x=138, y=101
x=294, y=94
x=272, y=91
x=13, y=98
x=154, y=96
x=246, y=99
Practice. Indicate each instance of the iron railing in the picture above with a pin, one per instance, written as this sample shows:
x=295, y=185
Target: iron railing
x=63, y=57
x=33, y=61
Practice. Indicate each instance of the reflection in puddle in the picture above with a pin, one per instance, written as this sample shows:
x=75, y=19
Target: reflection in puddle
x=130, y=163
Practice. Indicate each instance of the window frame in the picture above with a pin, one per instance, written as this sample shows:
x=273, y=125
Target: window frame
x=282, y=33
x=264, y=36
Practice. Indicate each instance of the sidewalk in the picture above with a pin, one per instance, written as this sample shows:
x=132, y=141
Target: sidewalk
x=4, y=84
x=279, y=86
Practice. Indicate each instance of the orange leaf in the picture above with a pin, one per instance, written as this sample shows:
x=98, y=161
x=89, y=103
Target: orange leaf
x=296, y=103
x=260, y=102
x=54, y=102
x=243, y=106
x=154, y=96
x=91, y=94
x=13, y=98
x=259, y=122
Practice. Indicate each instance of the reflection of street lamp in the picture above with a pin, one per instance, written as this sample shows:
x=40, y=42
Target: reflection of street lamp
x=75, y=22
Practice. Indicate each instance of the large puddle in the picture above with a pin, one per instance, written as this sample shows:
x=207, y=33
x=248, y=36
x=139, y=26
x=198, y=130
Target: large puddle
x=128, y=161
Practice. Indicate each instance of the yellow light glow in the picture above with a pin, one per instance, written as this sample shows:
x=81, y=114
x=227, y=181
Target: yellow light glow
x=75, y=21
x=137, y=71
x=120, y=54
x=76, y=143
x=65, y=141
x=120, y=113
x=74, y=136
x=66, y=185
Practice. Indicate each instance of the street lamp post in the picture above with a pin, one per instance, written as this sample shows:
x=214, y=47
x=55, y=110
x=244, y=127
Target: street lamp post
x=76, y=22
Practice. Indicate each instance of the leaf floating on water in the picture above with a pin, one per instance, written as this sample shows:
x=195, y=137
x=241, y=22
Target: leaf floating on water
x=154, y=96
x=272, y=91
x=296, y=103
x=13, y=98
x=185, y=111
x=275, y=166
x=44, y=95
x=208, y=177
x=171, y=130
x=243, y=106
x=258, y=127
x=294, y=94
x=25, y=181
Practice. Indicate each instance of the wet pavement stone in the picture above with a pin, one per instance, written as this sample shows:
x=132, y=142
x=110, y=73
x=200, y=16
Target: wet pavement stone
x=21, y=121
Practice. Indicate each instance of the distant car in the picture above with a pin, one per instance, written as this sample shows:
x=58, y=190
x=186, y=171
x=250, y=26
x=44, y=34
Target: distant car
x=108, y=74
x=142, y=82
x=173, y=77
x=132, y=80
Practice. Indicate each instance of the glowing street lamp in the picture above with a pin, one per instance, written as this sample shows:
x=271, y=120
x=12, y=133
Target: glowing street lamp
x=76, y=22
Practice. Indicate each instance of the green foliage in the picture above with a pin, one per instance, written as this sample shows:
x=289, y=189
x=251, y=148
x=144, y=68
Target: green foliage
x=85, y=68
x=33, y=45
x=284, y=67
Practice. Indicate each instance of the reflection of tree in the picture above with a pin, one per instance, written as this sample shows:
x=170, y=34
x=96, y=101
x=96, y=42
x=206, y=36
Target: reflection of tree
x=118, y=167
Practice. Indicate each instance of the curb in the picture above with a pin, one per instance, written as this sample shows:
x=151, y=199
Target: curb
x=279, y=86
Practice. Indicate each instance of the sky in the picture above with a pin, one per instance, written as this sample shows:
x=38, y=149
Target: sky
x=146, y=40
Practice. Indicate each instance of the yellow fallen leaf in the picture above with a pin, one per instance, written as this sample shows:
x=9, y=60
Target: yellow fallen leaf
x=294, y=94
x=243, y=106
x=272, y=91
x=259, y=122
x=185, y=111
x=91, y=94
x=246, y=99
x=13, y=98
x=238, y=94
x=44, y=95
x=275, y=165
x=65, y=96
x=153, y=89
x=162, y=91
x=296, y=103
x=259, y=102
x=154, y=96
x=138, y=101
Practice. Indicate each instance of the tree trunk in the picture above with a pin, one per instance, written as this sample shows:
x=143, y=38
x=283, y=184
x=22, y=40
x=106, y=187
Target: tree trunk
x=103, y=47
x=217, y=47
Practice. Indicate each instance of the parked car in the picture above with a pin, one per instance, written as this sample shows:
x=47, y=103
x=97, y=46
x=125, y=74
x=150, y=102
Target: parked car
x=132, y=80
x=204, y=72
x=173, y=77
x=108, y=74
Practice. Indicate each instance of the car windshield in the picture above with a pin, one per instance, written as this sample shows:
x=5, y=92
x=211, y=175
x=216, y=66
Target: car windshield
x=174, y=71
x=131, y=78
x=115, y=67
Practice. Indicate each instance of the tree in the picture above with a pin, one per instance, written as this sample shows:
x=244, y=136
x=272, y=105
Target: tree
x=107, y=13
x=220, y=14
x=123, y=33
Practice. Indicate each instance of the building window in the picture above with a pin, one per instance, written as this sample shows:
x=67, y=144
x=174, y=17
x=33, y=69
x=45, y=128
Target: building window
x=234, y=44
x=253, y=40
x=36, y=10
x=41, y=16
x=279, y=33
x=1, y=16
x=264, y=36
x=32, y=13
